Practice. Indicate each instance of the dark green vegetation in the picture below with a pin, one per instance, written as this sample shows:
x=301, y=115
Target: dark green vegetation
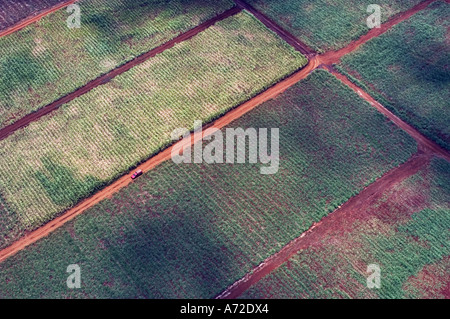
x=47, y=60
x=327, y=25
x=190, y=230
x=406, y=233
x=407, y=70
x=46, y=167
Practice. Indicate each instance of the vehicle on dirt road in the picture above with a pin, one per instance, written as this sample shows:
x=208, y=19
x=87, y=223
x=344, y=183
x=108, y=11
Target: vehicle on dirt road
x=136, y=174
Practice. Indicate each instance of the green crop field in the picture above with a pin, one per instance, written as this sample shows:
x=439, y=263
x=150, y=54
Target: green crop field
x=406, y=233
x=47, y=60
x=51, y=164
x=407, y=70
x=190, y=230
x=10, y=226
x=327, y=25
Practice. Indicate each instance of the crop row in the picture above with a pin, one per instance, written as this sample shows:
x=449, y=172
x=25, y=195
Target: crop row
x=14, y=11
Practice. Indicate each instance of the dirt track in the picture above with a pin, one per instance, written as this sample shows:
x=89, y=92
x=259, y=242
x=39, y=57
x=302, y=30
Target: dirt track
x=7, y=130
x=350, y=210
x=22, y=24
x=360, y=202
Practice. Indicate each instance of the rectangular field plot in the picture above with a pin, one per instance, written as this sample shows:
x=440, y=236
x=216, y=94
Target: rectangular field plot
x=47, y=60
x=49, y=165
x=407, y=71
x=190, y=230
x=405, y=233
x=327, y=25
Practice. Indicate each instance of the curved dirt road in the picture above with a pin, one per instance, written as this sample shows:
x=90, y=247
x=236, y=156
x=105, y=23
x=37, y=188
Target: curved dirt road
x=22, y=24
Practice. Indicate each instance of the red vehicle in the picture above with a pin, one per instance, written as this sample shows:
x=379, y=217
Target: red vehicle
x=136, y=174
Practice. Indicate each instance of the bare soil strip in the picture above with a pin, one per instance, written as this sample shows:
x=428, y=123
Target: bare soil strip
x=352, y=209
x=31, y=19
x=165, y=155
x=7, y=130
x=285, y=35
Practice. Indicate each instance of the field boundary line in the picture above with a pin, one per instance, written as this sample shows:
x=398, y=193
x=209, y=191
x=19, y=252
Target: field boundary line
x=156, y=160
x=348, y=210
x=409, y=129
x=272, y=25
x=105, y=78
x=34, y=17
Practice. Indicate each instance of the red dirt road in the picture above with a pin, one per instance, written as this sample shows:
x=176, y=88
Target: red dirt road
x=352, y=209
x=24, y=121
x=165, y=155
x=22, y=24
